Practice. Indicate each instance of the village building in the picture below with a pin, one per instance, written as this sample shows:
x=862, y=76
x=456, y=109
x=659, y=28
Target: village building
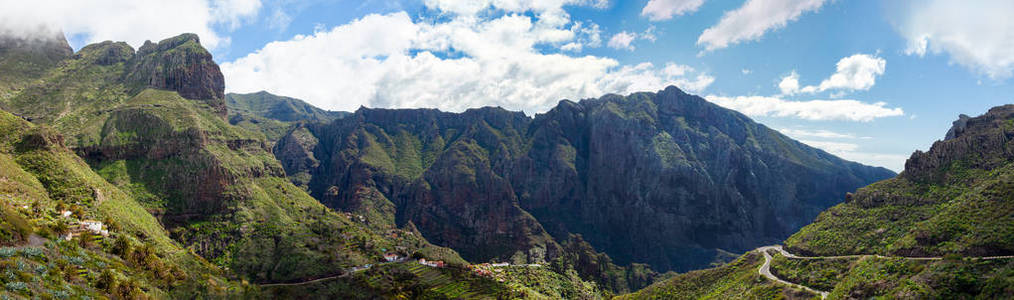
x=94, y=227
x=391, y=257
x=435, y=264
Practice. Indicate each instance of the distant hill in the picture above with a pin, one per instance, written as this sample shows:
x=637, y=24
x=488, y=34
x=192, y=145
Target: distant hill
x=274, y=115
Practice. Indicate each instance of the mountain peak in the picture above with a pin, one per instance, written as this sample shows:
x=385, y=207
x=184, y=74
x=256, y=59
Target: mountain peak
x=181, y=64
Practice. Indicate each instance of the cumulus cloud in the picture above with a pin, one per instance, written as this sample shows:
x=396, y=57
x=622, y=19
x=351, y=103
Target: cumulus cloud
x=976, y=34
x=856, y=72
x=127, y=20
x=660, y=10
x=789, y=84
x=753, y=20
x=468, y=59
x=622, y=40
x=814, y=110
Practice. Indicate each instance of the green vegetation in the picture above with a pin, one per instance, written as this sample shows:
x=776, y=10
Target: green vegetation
x=272, y=115
x=820, y=274
x=909, y=279
x=226, y=212
x=969, y=214
x=39, y=180
x=735, y=280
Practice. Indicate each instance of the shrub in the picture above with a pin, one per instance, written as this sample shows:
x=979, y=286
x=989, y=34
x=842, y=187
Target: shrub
x=16, y=286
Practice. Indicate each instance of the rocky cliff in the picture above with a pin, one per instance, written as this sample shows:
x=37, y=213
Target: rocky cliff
x=663, y=178
x=182, y=65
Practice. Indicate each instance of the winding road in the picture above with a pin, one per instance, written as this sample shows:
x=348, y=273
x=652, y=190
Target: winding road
x=765, y=269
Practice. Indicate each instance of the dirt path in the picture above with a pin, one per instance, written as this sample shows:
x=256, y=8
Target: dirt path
x=765, y=269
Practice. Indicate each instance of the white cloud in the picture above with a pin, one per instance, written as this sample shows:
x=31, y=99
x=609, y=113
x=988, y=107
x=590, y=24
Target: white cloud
x=846, y=110
x=126, y=20
x=789, y=84
x=849, y=151
x=856, y=72
x=586, y=35
x=746, y=71
x=622, y=40
x=659, y=10
x=453, y=63
x=753, y=20
x=819, y=133
x=976, y=34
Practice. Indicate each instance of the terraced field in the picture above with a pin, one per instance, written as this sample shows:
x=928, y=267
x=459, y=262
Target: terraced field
x=441, y=283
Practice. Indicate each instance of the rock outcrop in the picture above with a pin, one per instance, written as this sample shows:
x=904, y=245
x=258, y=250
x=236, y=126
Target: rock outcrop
x=182, y=65
x=982, y=143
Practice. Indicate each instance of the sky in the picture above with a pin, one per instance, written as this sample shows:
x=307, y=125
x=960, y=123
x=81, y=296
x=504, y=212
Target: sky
x=869, y=81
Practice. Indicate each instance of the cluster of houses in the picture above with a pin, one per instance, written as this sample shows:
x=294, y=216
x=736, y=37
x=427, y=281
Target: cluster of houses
x=434, y=264
x=86, y=226
x=491, y=269
x=353, y=217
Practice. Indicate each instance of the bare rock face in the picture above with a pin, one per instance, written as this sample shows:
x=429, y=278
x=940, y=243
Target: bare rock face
x=982, y=142
x=665, y=178
x=957, y=127
x=182, y=65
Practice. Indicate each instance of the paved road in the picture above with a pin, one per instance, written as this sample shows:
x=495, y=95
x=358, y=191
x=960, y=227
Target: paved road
x=765, y=269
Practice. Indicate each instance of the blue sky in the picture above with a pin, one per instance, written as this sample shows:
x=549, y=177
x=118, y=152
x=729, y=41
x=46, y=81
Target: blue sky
x=874, y=80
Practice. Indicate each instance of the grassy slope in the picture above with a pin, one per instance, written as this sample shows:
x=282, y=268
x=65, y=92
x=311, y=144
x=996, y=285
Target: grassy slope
x=273, y=115
x=735, y=280
x=37, y=177
x=414, y=281
x=971, y=215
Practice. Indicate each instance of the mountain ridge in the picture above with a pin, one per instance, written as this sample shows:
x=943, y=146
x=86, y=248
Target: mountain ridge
x=386, y=150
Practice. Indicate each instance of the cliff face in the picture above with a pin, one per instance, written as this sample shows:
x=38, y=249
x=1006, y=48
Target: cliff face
x=442, y=171
x=668, y=178
x=182, y=65
x=662, y=178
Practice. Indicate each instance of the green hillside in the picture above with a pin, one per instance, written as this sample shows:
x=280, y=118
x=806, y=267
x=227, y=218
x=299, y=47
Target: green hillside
x=39, y=180
x=273, y=115
x=174, y=171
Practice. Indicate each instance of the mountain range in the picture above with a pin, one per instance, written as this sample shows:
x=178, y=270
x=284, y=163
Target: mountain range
x=197, y=192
